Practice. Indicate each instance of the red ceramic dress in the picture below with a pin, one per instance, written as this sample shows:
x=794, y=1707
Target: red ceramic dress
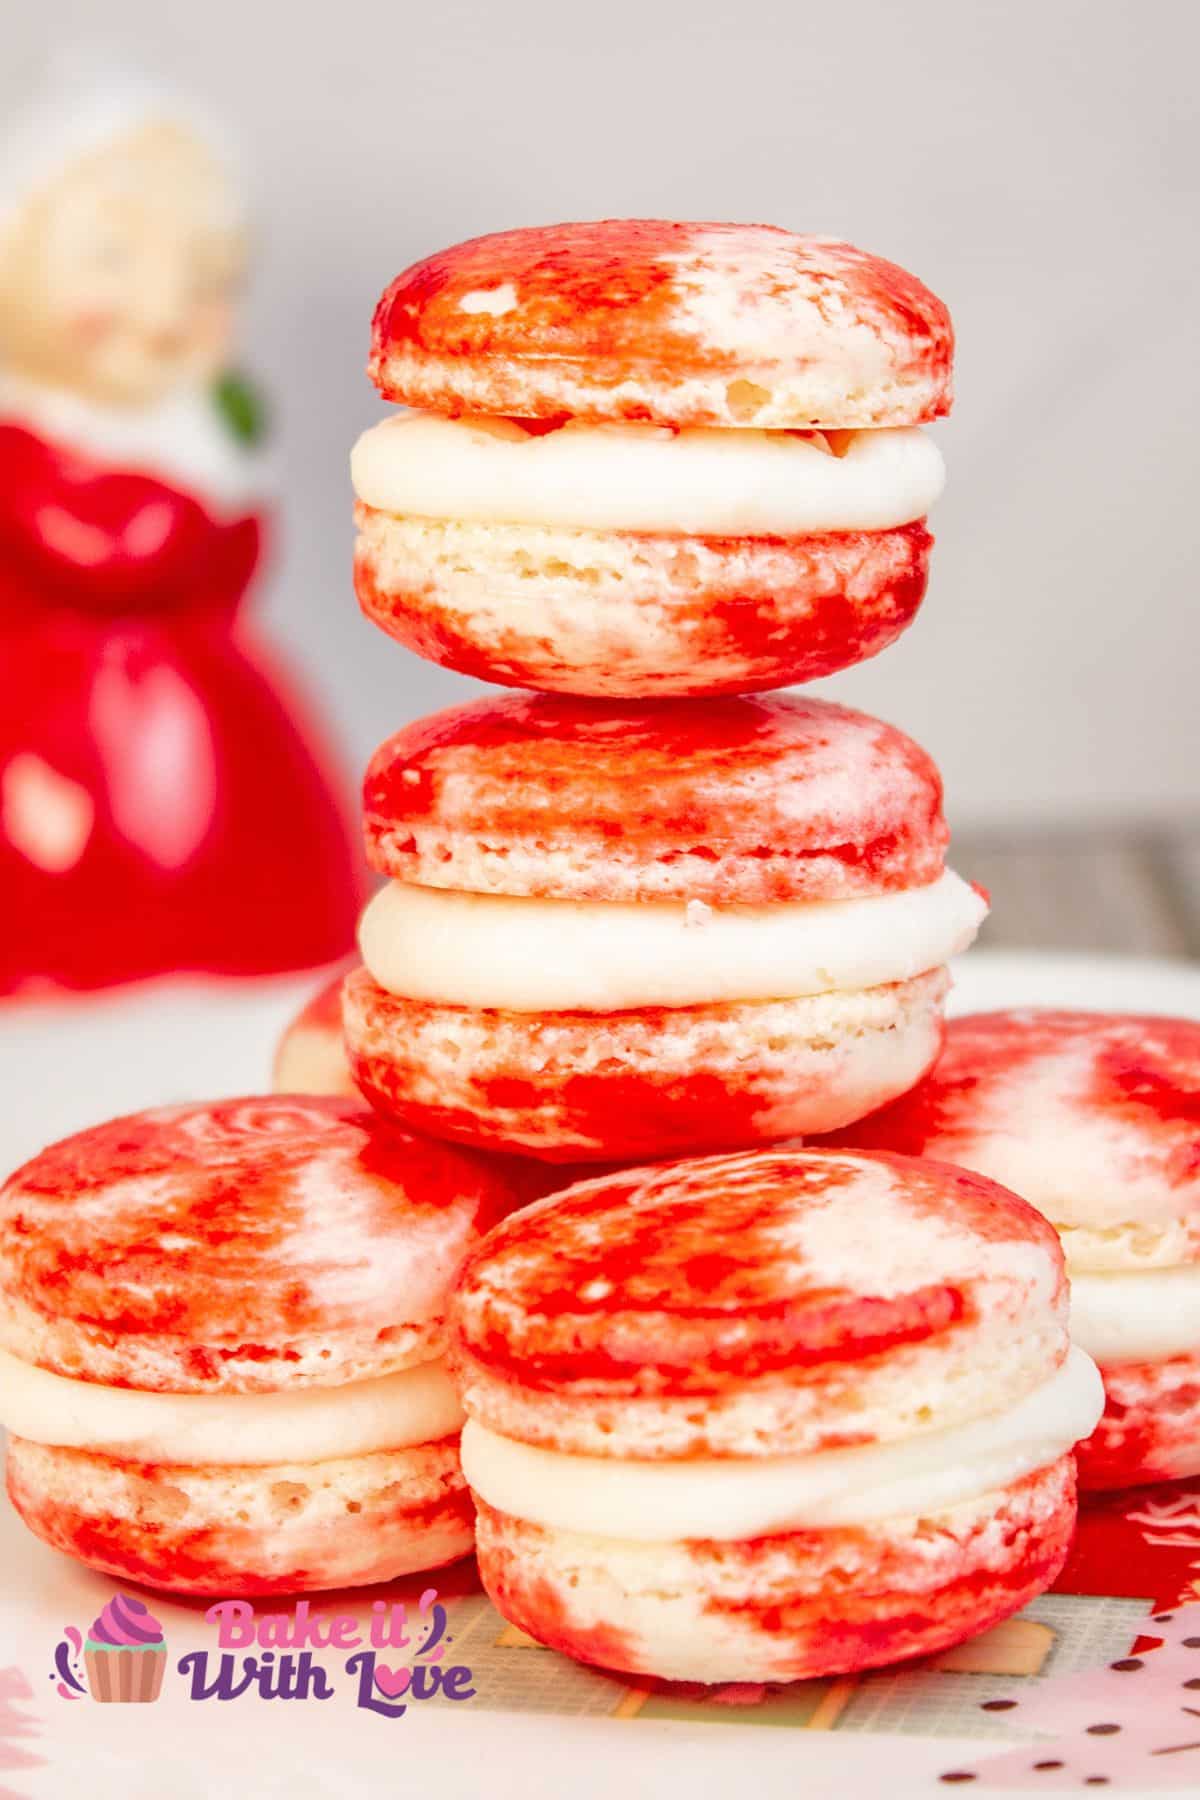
x=161, y=805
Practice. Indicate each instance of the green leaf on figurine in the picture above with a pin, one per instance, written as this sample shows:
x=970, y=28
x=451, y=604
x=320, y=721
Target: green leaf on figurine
x=241, y=408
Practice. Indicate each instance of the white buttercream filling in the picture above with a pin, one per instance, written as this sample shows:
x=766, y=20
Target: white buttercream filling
x=660, y=1502
x=1137, y=1315
x=391, y=1412
x=618, y=477
x=528, y=955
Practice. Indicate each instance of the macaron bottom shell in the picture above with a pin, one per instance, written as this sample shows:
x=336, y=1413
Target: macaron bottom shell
x=641, y=615
x=649, y=1083
x=788, y=1607
x=240, y=1530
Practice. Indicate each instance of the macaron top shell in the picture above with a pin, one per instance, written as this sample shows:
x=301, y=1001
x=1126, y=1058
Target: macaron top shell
x=1093, y=1117
x=769, y=1271
x=743, y=800
x=680, y=323
x=243, y=1245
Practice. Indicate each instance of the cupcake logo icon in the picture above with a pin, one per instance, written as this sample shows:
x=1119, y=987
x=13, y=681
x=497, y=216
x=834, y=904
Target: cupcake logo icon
x=124, y=1655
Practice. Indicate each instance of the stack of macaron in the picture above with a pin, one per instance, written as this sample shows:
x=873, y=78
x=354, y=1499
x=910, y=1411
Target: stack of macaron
x=1095, y=1119
x=651, y=469
x=760, y=1415
x=773, y=1413
x=222, y=1335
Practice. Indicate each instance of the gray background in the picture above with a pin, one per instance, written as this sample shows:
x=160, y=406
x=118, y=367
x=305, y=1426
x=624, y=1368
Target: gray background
x=1035, y=164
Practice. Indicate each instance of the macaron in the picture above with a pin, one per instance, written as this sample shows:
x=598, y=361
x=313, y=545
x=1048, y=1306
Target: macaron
x=1095, y=1119
x=770, y=1416
x=310, y=1057
x=613, y=933
x=222, y=1330
x=651, y=458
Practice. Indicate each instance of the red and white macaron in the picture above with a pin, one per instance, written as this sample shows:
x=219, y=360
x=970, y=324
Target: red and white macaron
x=1095, y=1119
x=630, y=932
x=310, y=1057
x=769, y=1416
x=651, y=458
x=221, y=1345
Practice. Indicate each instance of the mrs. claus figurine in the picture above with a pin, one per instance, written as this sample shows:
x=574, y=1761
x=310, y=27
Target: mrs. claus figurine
x=162, y=800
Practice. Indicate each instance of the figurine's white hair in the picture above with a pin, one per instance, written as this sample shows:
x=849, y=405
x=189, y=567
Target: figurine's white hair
x=86, y=103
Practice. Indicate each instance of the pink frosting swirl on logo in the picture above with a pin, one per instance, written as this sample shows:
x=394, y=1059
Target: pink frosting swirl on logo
x=125, y=1621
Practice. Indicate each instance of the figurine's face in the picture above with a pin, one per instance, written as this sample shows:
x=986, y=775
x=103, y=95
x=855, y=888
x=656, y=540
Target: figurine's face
x=118, y=282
